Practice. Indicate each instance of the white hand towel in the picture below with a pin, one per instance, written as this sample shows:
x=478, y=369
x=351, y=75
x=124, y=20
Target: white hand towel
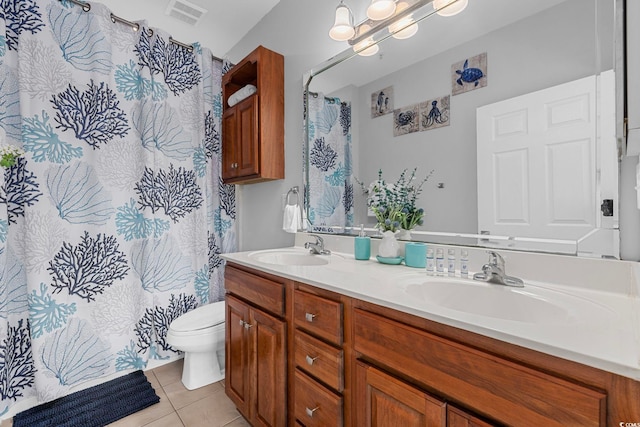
x=291, y=219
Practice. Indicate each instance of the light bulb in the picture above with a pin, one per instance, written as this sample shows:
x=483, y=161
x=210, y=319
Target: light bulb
x=449, y=7
x=381, y=9
x=343, y=26
x=404, y=28
x=366, y=51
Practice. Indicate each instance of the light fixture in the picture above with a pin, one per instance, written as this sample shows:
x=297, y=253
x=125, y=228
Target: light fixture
x=405, y=27
x=401, y=22
x=366, y=47
x=449, y=7
x=366, y=51
x=343, y=26
x=381, y=9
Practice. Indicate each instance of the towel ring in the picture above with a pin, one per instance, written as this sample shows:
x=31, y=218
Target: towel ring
x=295, y=192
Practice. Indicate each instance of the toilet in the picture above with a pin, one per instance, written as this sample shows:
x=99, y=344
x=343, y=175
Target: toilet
x=199, y=333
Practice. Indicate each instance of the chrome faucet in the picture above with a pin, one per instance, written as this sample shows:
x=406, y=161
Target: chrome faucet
x=494, y=272
x=317, y=248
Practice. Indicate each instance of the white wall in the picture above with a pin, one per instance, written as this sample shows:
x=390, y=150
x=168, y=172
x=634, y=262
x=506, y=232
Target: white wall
x=297, y=29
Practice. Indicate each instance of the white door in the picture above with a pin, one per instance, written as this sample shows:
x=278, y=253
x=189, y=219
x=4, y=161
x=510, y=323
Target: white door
x=537, y=163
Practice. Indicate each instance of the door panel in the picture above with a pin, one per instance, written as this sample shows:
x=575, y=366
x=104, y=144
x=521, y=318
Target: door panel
x=385, y=401
x=537, y=155
x=270, y=362
x=237, y=363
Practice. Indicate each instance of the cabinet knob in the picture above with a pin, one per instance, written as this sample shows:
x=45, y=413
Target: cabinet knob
x=310, y=360
x=309, y=317
x=247, y=325
x=241, y=322
x=311, y=411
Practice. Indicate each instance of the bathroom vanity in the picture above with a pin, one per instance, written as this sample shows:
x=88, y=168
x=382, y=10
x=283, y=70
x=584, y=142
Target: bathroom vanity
x=352, y=343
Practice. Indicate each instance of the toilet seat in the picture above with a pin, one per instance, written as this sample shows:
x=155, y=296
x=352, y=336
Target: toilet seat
x=203, y=317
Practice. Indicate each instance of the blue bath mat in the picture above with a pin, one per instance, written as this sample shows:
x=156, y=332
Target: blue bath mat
x=93, y=407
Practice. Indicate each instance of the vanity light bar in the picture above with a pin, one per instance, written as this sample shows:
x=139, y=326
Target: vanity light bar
x=369, y=27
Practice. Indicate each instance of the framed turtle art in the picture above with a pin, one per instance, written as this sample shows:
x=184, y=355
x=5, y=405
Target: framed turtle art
x=469, y=74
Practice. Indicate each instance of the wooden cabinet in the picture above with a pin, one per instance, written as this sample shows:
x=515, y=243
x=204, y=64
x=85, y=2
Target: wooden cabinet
x=384, y=401
x=500, y=389
x=240, y=124
x=318, y=359
x=256, y=351
x=299, y=355
x=458, y=418
x=253, y=129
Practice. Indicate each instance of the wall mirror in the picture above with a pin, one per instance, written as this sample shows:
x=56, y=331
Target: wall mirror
x=525, y=159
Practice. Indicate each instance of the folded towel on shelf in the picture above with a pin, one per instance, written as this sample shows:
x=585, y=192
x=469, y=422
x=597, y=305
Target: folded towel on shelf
x=292, y=219
x=243, y=93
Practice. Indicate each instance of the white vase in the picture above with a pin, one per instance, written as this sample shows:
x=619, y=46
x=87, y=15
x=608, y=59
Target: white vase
x=389, y=247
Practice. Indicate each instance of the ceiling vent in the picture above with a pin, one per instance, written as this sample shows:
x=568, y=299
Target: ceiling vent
x=185, y=11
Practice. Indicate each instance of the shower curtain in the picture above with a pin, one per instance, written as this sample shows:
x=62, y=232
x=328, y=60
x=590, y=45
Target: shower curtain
x=329, y=190
x=112, y=223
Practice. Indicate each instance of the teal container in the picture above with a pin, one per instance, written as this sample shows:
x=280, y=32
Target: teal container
x=362, y=249
x=415, y=254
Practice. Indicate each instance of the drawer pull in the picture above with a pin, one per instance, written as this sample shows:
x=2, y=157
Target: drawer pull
x=311, y=411
x=309, y=317
x=310, y=360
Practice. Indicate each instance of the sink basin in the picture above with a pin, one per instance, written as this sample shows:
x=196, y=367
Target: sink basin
x=529, y=304
x=289, y=257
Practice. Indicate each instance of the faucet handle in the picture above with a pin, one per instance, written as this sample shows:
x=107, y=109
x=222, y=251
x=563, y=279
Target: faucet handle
x=496, y=259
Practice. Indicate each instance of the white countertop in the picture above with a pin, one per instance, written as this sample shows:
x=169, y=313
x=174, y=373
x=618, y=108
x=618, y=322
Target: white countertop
x=602, y=328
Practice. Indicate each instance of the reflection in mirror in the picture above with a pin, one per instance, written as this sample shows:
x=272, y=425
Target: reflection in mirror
x=510, y=103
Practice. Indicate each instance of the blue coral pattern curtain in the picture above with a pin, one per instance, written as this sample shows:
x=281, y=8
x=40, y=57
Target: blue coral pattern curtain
x=329, y=189
x=112, y=223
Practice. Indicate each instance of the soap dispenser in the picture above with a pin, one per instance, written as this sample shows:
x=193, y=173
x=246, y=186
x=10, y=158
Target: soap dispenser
x=362, y=249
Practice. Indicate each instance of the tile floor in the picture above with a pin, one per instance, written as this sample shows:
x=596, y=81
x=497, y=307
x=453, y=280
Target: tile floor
x=179, y=407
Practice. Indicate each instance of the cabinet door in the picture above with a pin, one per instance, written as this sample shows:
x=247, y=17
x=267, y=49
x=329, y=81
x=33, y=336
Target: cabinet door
x=248, y=162
x=237, y=354
x=382, y=400
x=229, y=146
x=270, y=363
x=456, y=417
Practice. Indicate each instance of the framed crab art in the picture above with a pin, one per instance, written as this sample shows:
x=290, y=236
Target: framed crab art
x=406, y=120
x=469, y=74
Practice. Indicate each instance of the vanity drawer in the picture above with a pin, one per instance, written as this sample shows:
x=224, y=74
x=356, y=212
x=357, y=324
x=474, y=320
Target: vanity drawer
x=503, y=390
x=319, y=316
x=316, y=405
x=320, y=360
x=265, y=293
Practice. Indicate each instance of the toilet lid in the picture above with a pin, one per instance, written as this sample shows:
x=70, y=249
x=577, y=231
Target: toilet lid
x=202, y=317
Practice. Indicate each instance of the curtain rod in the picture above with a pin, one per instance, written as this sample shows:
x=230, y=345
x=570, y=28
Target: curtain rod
x=114, y=18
